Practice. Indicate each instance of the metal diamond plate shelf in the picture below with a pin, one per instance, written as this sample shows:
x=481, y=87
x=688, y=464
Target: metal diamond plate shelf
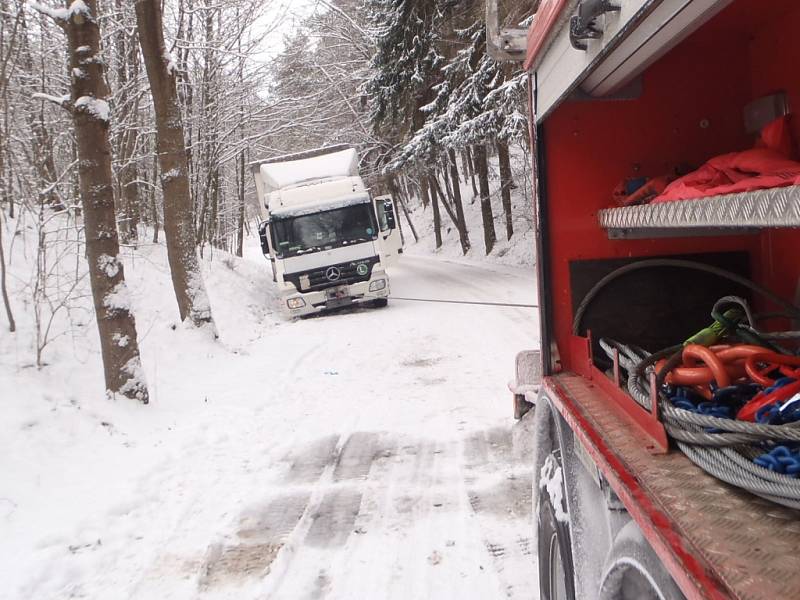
x=778, y=207
x=747, y=545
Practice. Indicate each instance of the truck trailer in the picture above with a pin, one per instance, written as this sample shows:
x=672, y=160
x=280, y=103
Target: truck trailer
x=328, y=240
x=661, y=404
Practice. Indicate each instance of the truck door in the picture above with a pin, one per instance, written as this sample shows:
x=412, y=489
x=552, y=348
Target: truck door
x=391, y=241
x=263, y=235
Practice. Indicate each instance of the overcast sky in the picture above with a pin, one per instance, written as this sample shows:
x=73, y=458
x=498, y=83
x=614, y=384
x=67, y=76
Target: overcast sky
x=288, y=13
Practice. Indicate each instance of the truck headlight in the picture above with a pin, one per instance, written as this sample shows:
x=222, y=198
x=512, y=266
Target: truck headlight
x=295, y=303
x=377, y=285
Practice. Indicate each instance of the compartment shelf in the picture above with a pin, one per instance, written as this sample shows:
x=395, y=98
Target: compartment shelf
x=728, y=214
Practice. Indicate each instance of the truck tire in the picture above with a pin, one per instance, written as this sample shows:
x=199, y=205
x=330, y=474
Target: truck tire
x=556, y=573
x=379, y=303
x=633, y=571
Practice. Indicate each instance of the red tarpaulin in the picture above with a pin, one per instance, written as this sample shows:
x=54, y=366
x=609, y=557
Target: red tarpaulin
x=766, y=166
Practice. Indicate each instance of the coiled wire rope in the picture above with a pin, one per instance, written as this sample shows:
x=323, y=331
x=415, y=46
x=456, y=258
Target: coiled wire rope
x=724, y=448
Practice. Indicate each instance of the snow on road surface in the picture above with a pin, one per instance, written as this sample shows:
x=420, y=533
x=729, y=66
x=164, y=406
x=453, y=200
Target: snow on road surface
x=364, y=454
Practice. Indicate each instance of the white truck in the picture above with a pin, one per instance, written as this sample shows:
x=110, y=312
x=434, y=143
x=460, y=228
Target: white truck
x=329, y=241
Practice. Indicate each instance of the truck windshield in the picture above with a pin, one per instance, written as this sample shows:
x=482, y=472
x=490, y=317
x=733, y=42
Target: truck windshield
x=324, y=230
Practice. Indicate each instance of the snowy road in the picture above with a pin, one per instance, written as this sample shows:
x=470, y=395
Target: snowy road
x=361, y=455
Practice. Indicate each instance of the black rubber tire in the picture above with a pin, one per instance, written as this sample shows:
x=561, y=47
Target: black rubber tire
x=554, y=537
x=379, y=303
x=633, y=570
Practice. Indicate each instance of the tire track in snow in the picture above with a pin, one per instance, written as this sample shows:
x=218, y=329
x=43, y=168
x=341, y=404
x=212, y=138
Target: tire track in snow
x=308, y=463
x=408, y=501
x=322, y=525
x=333, y=520
x=190, y=507
x=263, y=531
x=500, y=501
x=356, y=457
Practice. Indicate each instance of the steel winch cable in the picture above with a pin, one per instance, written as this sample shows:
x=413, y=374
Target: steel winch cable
x=724, y=448
x=472, y=302
x=726, y=454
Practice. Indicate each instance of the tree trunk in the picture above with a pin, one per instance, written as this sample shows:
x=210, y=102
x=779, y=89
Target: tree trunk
x=41, y=138
x=187, y=280
x=153, y=203
x=437, y=220
x=506, y=183
x=446, y=179
x=12, y=326
x=408, y=218
x=436, y=191
x=397, y=195
x=128, y=175
x=242, y=156
x=482, y=167
x=118, y=341
x=240, y=224
x=464, y=165
x=75, y=178
x=471, y=164
x=406, y=189
x=423, y=191
x=462, y=223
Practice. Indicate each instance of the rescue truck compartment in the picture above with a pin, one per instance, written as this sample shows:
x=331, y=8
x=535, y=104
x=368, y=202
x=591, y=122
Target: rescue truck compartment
x=693, y=104
x=615, y=287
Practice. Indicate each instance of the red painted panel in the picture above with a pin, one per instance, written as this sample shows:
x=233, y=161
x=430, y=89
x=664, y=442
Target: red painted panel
x=690, y=110
x=687, y=566
x=546, y=17
x=774, y=56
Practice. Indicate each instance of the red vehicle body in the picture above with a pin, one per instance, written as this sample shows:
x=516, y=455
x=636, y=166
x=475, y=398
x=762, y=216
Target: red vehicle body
x=637, y=519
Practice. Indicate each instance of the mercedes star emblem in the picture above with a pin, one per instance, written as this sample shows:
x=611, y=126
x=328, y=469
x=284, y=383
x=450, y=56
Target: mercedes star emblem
x=333, y=274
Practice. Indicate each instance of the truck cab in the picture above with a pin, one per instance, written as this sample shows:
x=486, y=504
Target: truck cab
x=327, y=242
x=672, y=94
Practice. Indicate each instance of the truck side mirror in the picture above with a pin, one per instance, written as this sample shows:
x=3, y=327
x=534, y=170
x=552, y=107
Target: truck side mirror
x=262, y=234
x=388, y=207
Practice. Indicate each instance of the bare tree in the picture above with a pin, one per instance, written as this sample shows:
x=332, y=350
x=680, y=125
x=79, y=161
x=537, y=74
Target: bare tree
x=179, y=229
x=126, y=112
x=90, y=114
x=12, y=326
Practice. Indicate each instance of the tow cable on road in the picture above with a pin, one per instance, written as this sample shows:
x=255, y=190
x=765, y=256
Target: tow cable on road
x=506, y=304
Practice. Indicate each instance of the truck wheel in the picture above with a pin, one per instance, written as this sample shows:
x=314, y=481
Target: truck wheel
x=633, y=571
x=380, y=302
x=556, y=574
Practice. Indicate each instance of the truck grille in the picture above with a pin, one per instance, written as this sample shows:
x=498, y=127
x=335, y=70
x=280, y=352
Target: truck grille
x=325, y=277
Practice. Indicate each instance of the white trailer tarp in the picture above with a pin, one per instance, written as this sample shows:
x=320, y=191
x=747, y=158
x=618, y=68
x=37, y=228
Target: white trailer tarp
x=293, y=173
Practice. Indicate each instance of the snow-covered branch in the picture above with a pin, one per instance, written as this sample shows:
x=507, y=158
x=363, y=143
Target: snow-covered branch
x=62, y=101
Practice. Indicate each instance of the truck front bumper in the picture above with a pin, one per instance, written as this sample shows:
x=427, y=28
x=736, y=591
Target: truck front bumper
x=296, y=304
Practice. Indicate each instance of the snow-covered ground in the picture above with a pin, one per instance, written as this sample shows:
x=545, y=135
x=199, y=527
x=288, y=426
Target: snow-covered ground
x=364, y=454
x=519, y=251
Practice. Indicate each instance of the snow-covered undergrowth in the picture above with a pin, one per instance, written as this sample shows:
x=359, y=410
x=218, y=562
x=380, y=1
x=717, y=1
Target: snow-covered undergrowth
x=519, y=251
x=71, y=458
x=360, y=455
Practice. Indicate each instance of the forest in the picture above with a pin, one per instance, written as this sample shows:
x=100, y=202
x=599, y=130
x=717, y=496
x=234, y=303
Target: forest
x=133, y=123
